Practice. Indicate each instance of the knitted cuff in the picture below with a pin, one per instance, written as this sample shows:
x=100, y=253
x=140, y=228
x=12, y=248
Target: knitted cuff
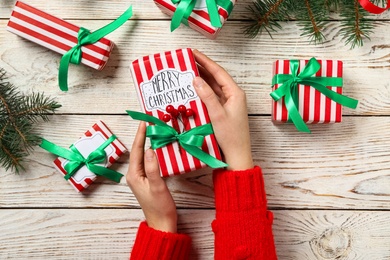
x=155, y=244
x=239, y=190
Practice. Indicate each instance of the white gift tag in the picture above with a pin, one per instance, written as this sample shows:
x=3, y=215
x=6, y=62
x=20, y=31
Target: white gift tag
x=168, y=87
x=86, y=146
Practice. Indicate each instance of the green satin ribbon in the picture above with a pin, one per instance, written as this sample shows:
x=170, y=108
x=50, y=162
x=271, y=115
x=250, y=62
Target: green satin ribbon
x=86, y=37
x=162, y=134
x=184, y=9
x=76, y=160
x=289, y=89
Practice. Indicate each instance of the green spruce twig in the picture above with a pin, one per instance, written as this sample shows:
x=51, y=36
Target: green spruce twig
x=266, y=16
x=312, y=17
x=18, y=114
x=354, y=26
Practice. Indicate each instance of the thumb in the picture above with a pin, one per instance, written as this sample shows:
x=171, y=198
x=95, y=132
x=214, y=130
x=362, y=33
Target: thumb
x=152, y=170
x=207, y=95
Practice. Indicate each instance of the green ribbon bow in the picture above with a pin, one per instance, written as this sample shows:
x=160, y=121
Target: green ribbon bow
x=86, y=37
x=184, y=9
x=76, y=160
x=289, y=89
x=162, y=134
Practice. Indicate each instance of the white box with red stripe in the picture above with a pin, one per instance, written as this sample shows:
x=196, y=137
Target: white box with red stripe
x=165, y=79
x=199, y=19
x=313, y=106
x=56, y=34
x=89, y=142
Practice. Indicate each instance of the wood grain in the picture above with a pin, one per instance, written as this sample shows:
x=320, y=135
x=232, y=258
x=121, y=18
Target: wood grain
x=329, y=190
x=339, y=166
x=110, y=233
x=249, y=62
x=331, y=235
x=104, y=9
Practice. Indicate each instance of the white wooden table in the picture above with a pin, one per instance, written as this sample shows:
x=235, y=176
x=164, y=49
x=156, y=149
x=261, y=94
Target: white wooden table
x=330, y=191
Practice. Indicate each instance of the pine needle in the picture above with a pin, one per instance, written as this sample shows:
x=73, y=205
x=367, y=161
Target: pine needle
x=312, y=17
x=18, y=114
x=354, y=26
x=266, y=15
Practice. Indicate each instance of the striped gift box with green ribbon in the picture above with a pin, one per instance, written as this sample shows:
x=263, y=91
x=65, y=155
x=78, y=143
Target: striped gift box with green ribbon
x=205, y=16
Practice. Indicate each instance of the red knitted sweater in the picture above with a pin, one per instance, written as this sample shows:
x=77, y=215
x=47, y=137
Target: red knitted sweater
x=242, y=228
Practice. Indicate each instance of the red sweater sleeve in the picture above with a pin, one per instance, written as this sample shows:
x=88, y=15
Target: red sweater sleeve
x=243, y=226
x=154, y=244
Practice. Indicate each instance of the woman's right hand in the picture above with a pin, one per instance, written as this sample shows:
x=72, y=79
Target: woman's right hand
x=227, y=108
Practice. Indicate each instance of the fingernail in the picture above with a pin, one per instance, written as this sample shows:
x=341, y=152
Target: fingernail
x=198, y=82
x=149, y=155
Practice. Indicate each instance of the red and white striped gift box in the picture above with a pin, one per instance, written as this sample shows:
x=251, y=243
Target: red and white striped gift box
x=172, y=158
x=56, y=34
x=88, y=143
x=314, y=107
x=199, y=19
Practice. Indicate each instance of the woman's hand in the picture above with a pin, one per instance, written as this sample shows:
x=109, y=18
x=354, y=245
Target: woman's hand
x=143, y=178
x=226, y=105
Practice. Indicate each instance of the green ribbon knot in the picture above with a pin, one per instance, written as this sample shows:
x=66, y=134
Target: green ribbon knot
x=161, y=134
x=77, y=160
x=184, y=9
x=289, y=89
x=85, y=37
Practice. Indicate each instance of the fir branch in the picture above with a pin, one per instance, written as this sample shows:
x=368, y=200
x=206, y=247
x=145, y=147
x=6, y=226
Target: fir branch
x=11, y=160
x=331, y=5
x=18, y=131
x=4, y=102
x=312, y=16
x=358, y=32
x=354, y=26
x=3, y=130
x=266, y=15
x=6, y=97
x=18, y=114
x=37, y=106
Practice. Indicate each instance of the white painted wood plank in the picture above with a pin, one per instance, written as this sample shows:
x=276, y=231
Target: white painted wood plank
x=342, y=166
x=339, y=166
x=104, y=9
x=331, y=235
x=110, y=234
x=31, y=67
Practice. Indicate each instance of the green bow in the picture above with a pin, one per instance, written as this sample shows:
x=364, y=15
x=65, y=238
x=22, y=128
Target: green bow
x=289, y=89
x=184, y=9
x=86, y=37
x=162, y=134
x=76, y=160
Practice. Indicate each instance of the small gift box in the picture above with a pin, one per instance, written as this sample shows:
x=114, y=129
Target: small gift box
x=204, y=16
x=56, y=34
x=308, y=92
x=169, y=100
x=88, y=157
x=78, y=45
